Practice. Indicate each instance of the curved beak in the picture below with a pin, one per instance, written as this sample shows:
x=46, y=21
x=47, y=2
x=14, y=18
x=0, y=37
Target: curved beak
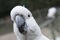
x=20, y=21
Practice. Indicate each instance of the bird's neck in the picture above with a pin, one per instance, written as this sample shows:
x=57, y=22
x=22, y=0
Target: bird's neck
x=33, y=29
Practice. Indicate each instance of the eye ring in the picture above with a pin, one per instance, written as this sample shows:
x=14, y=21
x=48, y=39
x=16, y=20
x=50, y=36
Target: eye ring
x=28, y=15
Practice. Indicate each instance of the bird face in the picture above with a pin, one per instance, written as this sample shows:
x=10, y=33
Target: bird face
x=20, y=21
x=19, y=14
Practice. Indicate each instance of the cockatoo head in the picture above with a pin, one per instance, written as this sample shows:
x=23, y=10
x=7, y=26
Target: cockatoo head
x=19, y=14
x=21, y=11
x=51, y=12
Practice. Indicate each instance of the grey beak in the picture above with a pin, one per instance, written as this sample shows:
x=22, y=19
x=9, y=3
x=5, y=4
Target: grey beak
x=20, y=21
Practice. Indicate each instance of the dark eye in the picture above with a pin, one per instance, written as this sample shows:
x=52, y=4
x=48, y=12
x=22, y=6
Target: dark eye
x=28, y=15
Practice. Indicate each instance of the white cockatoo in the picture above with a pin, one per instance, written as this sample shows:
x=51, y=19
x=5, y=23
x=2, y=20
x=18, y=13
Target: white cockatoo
x=51, y=12
x=24, y=24
x=50, y=16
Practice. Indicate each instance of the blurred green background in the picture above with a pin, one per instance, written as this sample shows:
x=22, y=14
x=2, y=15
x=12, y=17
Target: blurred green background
x=39, y=9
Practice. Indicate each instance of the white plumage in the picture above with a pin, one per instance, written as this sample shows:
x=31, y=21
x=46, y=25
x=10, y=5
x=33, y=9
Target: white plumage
x=57, y=38
x=33, y=29
x=51, y=12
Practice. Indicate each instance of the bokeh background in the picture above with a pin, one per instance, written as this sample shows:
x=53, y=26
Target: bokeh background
x=39, y=9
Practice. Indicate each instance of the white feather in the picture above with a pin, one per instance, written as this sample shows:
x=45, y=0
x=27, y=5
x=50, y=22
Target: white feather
x=33, y=31
x=51, y=12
